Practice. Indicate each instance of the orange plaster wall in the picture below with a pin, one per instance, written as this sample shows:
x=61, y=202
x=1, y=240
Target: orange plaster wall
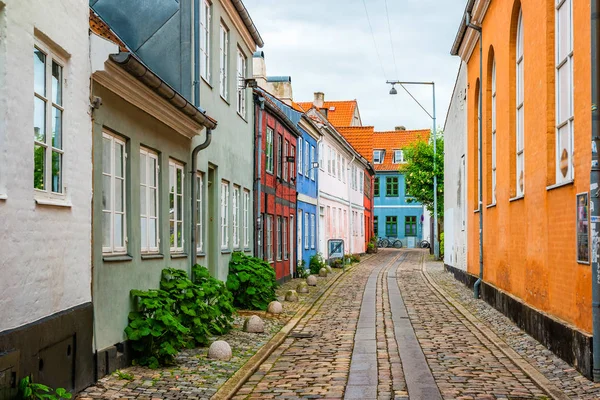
x=530, y=244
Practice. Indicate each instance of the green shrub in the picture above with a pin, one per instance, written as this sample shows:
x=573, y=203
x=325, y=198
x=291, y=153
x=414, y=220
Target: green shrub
x=251, y=281
x=28, y=390
x=442, y=245
x=316, y=263
x=355, y=258
x=337, y=263
x=180, y=314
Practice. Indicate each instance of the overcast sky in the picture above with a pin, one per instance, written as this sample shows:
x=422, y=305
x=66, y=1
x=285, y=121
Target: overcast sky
x=327, y=46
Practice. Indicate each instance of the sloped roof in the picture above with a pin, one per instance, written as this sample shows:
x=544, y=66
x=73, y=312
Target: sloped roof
x=101, y=29
x=361, y=138
x=339, y=113
x=395, y=140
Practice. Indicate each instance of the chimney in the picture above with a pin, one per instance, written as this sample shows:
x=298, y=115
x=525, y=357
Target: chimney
x=281, y=87
x=319, y=100
x=400, y=128
x=259, y=69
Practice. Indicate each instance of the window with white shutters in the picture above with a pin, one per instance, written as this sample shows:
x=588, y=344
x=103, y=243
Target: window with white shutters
x=149, y=201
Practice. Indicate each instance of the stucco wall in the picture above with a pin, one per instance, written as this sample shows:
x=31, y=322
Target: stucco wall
x=455, y=148
x=45, y=260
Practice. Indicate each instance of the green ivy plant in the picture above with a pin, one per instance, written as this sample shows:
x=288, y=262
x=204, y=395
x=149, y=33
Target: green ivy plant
x=28, y=390
x=316, y=263
x=251, y=281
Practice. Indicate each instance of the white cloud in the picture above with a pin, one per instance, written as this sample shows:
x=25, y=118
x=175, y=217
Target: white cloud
x=326, y=45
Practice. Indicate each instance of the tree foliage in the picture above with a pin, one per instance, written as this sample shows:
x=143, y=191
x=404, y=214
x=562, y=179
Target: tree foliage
x=419, y=172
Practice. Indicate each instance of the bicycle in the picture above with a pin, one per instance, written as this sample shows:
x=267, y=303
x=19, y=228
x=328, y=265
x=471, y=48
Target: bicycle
x=424, y=244
x=389, y=242
x=383, y=242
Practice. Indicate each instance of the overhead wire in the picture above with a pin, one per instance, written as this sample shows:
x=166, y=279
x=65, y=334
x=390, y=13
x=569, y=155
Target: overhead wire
x=374, y=41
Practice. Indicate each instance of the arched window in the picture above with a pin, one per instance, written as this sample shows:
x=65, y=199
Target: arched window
x=520, y=136
x=564, y=91
x=476, y=144
x=493, y=104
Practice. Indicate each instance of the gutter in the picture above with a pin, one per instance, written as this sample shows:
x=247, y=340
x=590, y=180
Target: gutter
x=462, y=29
x=197, y=149
x=132, y=65
x=241, y=9
x=260, y=102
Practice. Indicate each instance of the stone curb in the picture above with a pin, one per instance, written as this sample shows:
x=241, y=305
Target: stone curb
x=480, y=329
x=237, y=380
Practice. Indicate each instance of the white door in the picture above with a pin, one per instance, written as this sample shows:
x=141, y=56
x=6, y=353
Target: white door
x=291, y=241
x=299, y=222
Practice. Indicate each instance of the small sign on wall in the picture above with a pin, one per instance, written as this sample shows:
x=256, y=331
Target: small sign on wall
x=583, y=247
x=336, y=248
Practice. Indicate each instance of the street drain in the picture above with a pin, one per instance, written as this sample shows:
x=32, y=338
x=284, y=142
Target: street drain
x=302, y=335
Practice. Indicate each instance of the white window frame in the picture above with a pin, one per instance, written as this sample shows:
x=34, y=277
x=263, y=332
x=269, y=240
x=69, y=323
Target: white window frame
x=564, y=91
x=378, y=156
x=344, y=171
x=286, y=253
x=199, y=212
x=494, y=132
x=279, y=155
x=299, y=231
x=286, y=151
x=174, y=217
x=223, y=61
x=224, y=214
x=312, y=160
x=242, y=70
x=362, y=224
x=49, y=148
x=330, y=156
x=269, y=151
x=520, y=118
x=235, y=220
x=278, y=239
x=339, y=165
x=306, y=231
x=147, y=188
x=205, y=37
x=246, y=218
x=306, y=158
x=312, y=231
x=398, y=157
x=361, y=181
x=300, y=155
x=269, y=234
x=321, y=156
x=112, y=248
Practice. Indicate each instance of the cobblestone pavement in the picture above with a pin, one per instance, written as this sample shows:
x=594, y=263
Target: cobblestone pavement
x=194, y=376
x=561, y=374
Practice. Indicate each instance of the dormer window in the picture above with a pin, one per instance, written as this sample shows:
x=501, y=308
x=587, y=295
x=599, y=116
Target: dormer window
x=398, y=156
x=378, y=156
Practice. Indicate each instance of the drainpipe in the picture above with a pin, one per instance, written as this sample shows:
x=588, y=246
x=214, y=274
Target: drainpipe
x=594, y=190
x=260, y=101
x=477, y=286
x=350, y=206
x=196, y=54
x=195, y=152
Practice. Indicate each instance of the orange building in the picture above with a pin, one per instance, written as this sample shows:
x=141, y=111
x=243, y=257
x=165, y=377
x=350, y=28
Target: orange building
x=536, y=130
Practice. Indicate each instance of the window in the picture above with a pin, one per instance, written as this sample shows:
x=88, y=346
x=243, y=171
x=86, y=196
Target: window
x=269, y=151
x=306, y=231
x=398, y=156
x=176, y=205
x=241, y=84
x=391, y=186
x=391, y=226
x=286, y=151
x=333, y=161
x=520, y=150
x=246, y=219
x=321, y=157
x=361, y=179
x=339, y=170
x=329, y=153
x=114, y=164
x=284, y=235
x=333, y=229
x=376, y=188
x=269, y=236
x=224, y=214
x=205, y=35
x=224, y=61
x=312, y=160
x=47, y=121
x=149, y=201
x=300, y=230
x=235, y=220
x=293, y=165
x=362, y=224
x=279, y=239
x=279, y=155
x=300, y=159
x=378, y=157
x=410, y=226
x=306, y=158
x=376, y=225
x=199, y=213
x=312, y=231
x=564, y=91
x=494, y=132
x=344, y=169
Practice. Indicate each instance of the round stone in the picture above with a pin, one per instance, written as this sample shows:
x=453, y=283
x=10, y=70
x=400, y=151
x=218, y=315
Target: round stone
x=323, y=272
x=328, y=268
x=311, y=280
x=220, y=350
x=275, y=307
x=254, y=324
x=291, y=295
x=302, y=287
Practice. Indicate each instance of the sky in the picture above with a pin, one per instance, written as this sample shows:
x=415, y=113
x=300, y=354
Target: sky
x=327, y=46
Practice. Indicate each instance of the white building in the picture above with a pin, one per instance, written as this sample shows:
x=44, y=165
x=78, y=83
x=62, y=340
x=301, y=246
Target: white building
x=455, y=201
x=45, y=192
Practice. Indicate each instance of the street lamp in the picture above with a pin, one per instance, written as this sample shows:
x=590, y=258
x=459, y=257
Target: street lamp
x=393, y=91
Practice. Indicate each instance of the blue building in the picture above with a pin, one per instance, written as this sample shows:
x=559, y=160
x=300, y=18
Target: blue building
x=396, y=216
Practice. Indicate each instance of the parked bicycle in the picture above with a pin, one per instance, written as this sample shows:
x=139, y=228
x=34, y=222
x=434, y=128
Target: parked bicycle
x=389, y=242
x=424, y=244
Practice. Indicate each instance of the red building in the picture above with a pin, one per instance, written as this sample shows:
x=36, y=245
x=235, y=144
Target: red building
x=275, y=191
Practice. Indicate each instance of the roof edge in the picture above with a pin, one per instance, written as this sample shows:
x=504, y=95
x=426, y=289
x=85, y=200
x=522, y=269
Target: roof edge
x=462, y=29
x=243, y=12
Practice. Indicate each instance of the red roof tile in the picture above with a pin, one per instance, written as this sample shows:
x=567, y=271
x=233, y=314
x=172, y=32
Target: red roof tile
x=339, y=113
x=395, y=140
x=361, y=138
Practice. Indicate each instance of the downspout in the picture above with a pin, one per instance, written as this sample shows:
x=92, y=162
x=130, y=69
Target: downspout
x=196, y=54
x=350, y=207
x=194, y=163
x=477, y=286
x=260, y=101
x=594, y=190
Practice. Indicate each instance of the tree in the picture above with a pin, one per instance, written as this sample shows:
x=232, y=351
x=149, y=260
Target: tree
x=418, y=173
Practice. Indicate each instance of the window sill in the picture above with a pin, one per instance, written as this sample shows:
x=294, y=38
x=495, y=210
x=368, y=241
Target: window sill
x=476, y=211
x=237, y=249
x=559, y=185
x=152, y=256
x=225, y=100
x=246, y=250
x=178, y=255
x=242, y=117
x=53, y=202
x=491, y=205
x=516, y=198
x=225, y=251
x=117, y=258
x=3, y=196
x=207, y=82
x=200, y=254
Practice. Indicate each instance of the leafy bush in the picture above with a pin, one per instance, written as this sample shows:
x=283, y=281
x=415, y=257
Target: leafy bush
x=370, y=247
x=251, y=281
x=355, y=258
x=182, y=313
x=337, y=263
x=28, y=390
x=316, y=263
x=442, y=245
